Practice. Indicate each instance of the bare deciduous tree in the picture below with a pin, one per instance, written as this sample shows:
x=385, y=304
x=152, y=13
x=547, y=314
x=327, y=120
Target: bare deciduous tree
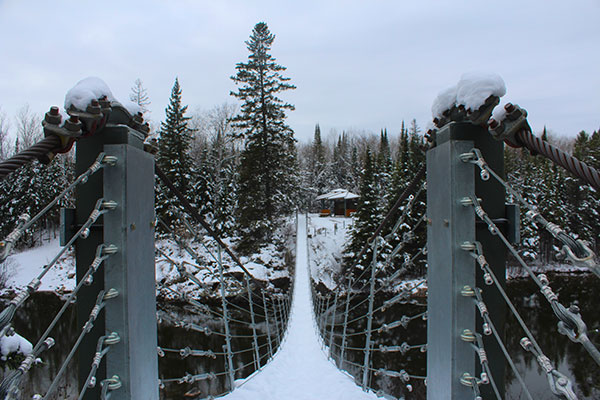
x=139, y=95
x=29, y=128
x=4, y=126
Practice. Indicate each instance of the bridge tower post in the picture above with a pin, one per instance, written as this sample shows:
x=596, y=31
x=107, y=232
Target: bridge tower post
x=132, y=362
x=450, y=182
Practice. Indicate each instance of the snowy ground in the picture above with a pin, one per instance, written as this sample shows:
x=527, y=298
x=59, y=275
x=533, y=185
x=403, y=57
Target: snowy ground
x=23, y=266
x=265, y=266
x=327, y=237
x=300, y=370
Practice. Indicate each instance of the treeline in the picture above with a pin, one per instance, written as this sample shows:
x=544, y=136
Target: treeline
x=242, y=168
x=559, y=196
x=34, y=185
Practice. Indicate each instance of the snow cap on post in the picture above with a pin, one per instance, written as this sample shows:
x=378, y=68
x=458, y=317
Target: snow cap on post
x=86, y=90
x=471, y=91
x=474, y=88
x=445, y=100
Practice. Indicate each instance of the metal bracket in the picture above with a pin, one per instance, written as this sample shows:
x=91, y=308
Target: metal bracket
x=510, y=224
x=67, y=223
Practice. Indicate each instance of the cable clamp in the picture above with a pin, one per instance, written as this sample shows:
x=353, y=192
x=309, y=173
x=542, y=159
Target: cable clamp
x=587, y=261
x=514, y=121
x=7, y=244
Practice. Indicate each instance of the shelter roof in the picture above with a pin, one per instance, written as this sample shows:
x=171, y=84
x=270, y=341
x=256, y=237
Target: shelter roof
x=338, y=194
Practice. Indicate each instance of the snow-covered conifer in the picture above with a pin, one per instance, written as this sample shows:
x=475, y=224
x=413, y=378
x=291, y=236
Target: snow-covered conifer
x=267, y=176
x=173, y=153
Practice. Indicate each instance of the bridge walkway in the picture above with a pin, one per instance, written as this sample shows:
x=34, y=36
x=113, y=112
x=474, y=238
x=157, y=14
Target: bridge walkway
x=300, y=370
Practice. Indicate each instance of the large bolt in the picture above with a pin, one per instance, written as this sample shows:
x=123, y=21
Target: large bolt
x=94, y=107
x=493, y=124
x=138, y=118
x=73, y=124
x=509, y=107
x=104, y=103
x=53, y=116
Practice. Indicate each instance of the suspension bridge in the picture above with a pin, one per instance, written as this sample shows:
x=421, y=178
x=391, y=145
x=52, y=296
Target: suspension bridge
x=302, y=341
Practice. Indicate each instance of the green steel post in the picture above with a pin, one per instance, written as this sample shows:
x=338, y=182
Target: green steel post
x=450, y=268
x=128, y=183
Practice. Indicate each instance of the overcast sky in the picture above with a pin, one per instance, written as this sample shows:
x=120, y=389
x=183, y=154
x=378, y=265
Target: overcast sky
x=362, y=65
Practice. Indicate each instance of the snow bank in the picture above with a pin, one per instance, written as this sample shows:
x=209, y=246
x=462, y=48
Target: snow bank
x=26, y=265
x=14, y=343
x=22, y=267
x=471, y=91
x=266, y=265
x=85, y=91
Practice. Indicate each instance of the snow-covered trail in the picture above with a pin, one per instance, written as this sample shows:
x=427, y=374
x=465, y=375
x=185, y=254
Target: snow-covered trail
x=300, y=370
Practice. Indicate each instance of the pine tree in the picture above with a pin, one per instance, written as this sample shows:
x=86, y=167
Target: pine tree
x=366, y=218
x=415, y=148
x=384, y=170
x=341, y=162
x=401, y=173
x=173, y=153
x=354, y=170
x=319, y=168
x=139, y=95
x=268, y=170
x=221, y=182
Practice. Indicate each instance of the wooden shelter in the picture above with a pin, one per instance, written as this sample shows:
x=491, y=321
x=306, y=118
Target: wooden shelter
x=338, y=202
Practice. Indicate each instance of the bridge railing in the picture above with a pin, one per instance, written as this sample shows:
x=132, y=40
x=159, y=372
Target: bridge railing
x=113, y=230
x=114, y=247
x=470, y=229
x=253, y=320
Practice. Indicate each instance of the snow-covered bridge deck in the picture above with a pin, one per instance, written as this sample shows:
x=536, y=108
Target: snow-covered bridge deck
x=300, y=370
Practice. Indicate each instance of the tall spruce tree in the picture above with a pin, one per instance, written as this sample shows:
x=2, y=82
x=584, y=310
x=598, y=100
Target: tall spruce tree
x=173, y=152
x=268, y=170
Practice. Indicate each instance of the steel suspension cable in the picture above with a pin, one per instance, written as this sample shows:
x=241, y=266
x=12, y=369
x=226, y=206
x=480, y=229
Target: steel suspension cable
x=38, y=151
x=570, y=322
x=188, y=207
x=578, y=168
x=8, y=313
x=410, y=188
x=6, y=245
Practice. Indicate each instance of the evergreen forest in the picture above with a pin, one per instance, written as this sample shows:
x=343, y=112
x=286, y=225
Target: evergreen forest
x=241, y=166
